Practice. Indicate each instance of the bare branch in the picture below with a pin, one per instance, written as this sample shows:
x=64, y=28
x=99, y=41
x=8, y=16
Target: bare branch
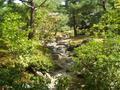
x=28, y=5
x=24, y=1
x=42, y=3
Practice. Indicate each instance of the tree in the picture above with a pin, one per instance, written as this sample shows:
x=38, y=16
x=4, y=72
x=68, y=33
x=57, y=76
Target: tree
x=80, y=13
x=17, y=53
x=70, y=5
x=31, y=5
x=103, y=4
x=84, y=13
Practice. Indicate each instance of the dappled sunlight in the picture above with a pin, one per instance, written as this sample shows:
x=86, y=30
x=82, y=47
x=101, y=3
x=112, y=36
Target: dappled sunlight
x=60, y=44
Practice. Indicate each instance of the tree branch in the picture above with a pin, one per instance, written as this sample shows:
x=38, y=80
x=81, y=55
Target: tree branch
x=42, y=3
x=28, y=5
x=25, y=3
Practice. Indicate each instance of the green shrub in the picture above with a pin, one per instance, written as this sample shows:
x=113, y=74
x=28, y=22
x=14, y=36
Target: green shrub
x=13, y=35
x=17, y=79
x=109, y=22
x=63, y=82
x=98, y=64
x=20, y=53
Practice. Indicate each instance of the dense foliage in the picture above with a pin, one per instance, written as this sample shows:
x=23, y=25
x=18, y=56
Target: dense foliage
x=20, y=58
x=30, y=30
x=98, y=64
x=109, y=23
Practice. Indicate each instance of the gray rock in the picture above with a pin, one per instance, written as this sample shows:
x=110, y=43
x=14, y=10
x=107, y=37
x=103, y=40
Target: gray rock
x=51, y=44
x=60, y=53
x=39, y=73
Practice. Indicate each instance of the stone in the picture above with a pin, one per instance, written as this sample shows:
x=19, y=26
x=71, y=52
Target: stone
x=57, y=56
x=51, y=44
x=39, y=73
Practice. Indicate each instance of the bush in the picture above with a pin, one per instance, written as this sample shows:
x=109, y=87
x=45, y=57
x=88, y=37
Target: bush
x=19, y=54
x=109, y=22
x=17, y=79
x=98, y=64
x=13, y=35
x=63, y=82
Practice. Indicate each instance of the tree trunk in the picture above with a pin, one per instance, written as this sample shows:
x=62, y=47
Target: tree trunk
x=104, y=4
x=10, y=1
x=66, y=3
x=32, y=12
x=74, y=24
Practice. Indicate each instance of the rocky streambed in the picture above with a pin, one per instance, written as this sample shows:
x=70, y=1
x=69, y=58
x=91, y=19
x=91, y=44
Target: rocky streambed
x=62, y=58
x=62, y=53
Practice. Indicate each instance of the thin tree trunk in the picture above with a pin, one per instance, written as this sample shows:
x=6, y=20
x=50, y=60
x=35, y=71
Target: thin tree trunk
x=32, y=12
x=104, y=4
x=66, y=3
x=74, y=24
x=32, y=17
